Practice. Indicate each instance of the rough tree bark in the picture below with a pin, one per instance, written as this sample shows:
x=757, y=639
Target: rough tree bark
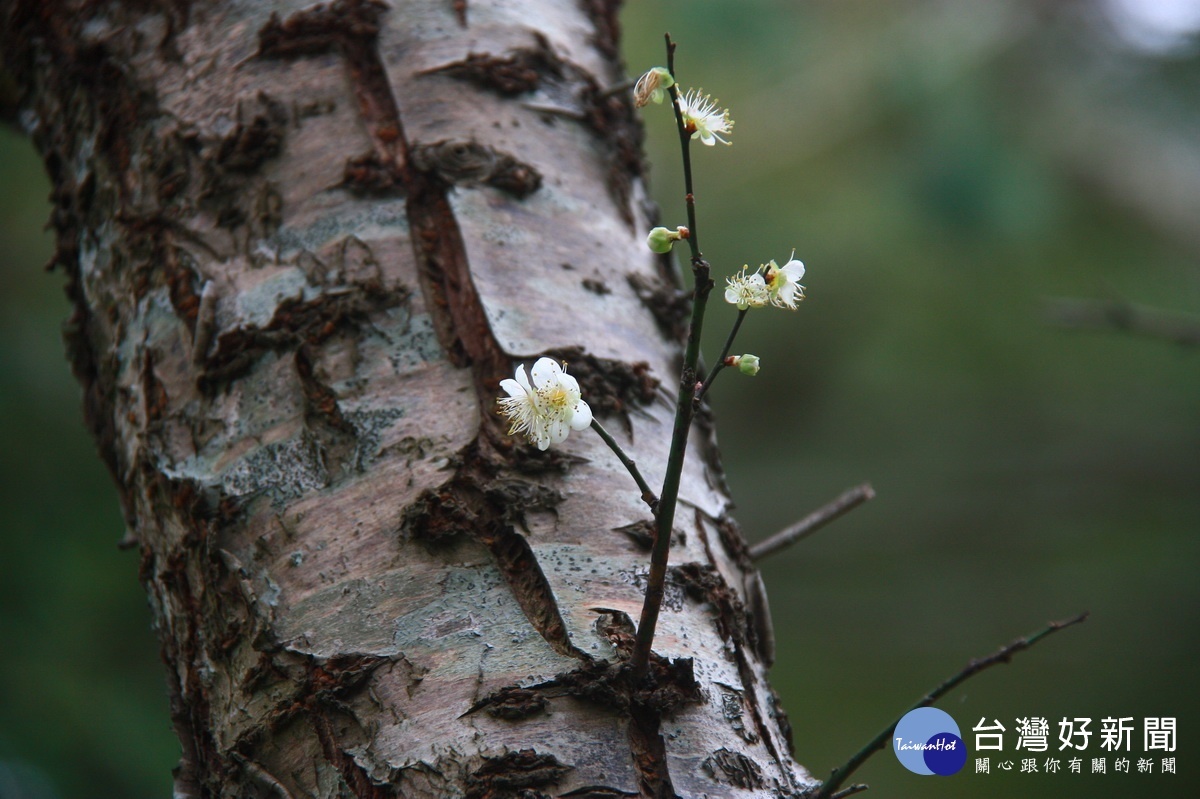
x=303, y=244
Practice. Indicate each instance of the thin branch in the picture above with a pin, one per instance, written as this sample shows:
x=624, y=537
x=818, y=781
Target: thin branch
x=665, y=516
x=648, y=495
x=851, y=790
x=737, y=323
x=685, y=145
x=1179, y=328
x=1002, y=655
x=556, y=110
x=617, y=88
x=814, y=521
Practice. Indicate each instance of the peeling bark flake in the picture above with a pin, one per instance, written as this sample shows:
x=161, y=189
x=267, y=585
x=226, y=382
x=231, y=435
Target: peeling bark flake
x=467, y=163
x=295, y=323
x=512, y=703
x=521, y=71
x=733, y=768
x=504, y=776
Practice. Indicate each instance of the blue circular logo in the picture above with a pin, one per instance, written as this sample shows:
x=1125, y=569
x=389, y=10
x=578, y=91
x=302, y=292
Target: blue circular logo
x=927, y=741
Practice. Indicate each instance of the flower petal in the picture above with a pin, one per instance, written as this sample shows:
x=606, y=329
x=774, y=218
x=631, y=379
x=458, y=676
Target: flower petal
x=557, y=430
x=523, y=380
x=582, y=417
x=569, y=383
x=546, y=373
x=514, y=388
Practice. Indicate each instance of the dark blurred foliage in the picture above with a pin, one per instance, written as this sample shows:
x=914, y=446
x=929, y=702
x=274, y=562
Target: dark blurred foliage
x=82, y=693
x=941, y=168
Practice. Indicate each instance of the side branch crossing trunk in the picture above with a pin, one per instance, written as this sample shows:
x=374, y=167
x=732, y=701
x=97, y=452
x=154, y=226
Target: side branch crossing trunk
x=304, y=243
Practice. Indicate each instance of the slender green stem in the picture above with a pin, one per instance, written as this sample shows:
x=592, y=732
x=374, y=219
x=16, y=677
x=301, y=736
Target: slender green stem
x=648, y=494
x=1002, y=655
x=708, y=381
x=669, y=496
x=685, y=145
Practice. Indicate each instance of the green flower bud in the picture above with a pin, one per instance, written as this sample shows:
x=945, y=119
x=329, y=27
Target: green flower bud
x=747, y=364
x=661, y=240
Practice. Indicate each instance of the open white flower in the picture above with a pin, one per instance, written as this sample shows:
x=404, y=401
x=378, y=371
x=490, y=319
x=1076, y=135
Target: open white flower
x=747, y=291
x=546, y=410
x=783, y=283
x=703, y=119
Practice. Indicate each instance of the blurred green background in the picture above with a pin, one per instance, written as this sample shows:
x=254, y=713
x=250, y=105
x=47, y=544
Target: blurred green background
x=941, y=168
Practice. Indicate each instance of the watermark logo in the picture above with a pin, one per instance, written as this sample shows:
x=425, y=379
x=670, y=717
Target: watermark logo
x=927, y=741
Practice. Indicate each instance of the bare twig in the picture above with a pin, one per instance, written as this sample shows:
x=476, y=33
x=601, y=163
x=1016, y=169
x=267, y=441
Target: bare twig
x=850, y=791
x=617, y=88
x=648, y=495
x=1183, y=329
x=720, y=364
x=814, y=521
x=1002, y=655
x=556, y=110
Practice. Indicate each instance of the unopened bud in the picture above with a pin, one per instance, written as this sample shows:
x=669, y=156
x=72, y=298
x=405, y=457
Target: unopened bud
x=746, y=364
x=662, y=240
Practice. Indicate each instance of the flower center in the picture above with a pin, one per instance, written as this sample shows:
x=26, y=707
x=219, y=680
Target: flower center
x=557, y=398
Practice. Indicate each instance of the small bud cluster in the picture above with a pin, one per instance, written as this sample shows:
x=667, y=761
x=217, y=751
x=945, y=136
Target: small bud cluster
x=702, y=117
x=547, y=407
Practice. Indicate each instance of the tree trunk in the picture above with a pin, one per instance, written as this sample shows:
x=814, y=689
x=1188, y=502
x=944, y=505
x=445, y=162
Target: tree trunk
x=304, y=244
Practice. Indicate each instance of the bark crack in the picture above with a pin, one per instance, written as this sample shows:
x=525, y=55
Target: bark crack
x=705, y=583
x=649, y=754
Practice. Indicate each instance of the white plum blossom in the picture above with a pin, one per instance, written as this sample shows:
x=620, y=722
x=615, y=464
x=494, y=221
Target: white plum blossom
x=703, y=119
x=747, y=291
x=547, y=409
x=783, y=283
